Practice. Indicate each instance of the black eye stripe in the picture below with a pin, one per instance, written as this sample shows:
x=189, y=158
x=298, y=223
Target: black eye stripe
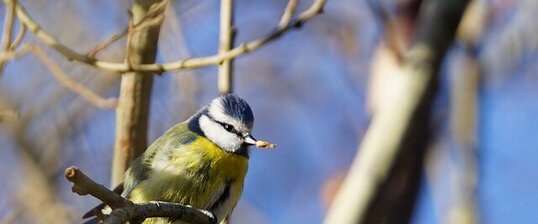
x=228, y=127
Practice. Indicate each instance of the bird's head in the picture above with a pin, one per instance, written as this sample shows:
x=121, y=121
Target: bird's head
x=227, y=121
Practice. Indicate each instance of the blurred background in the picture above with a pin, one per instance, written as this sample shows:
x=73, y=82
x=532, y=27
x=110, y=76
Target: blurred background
x=313, y=92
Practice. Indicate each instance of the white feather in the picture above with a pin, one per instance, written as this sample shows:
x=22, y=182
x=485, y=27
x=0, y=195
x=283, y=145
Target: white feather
x=216, y=133
x=216, y=111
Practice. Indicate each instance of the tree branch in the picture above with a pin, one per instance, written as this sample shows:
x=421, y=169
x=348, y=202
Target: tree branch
x=108, y=42
x=71, y=84
x=464, y=99
x=151, y=18
x=170, y=210
x=14, y=54
x=226, y=36
x=288, y=13
x=463, y=129
x=7, y=32
x=396, y=138
x=18, y=39
x=83, y=185
x=125, y=210
x=120, y=67
x=9, y=20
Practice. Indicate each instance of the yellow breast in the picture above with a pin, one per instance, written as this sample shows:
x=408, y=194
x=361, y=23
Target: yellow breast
x=201, y=175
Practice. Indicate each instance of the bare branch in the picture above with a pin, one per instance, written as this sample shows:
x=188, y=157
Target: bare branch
x=12, y=55
x=18, y=39
x=71, y=84
x=226, y=36
x=83, y=185
x=160, y=209
x=93, y=53
x=9, y=20
x=155, y=16
x=464, y=100
x=8, y=30
x=125, y=210
x=464, y=117
x=315, y=9
x=288, y=13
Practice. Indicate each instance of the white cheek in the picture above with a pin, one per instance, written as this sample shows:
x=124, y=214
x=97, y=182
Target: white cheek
x=214, y=132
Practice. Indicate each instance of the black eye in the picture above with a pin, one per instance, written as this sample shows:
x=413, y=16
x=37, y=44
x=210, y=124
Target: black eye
x=228, y=127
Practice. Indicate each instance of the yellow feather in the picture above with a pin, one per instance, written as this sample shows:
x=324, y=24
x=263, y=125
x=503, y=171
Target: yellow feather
x=197, y=175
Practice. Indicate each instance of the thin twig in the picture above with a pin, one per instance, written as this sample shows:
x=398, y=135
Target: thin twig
x=148, y=22
x=463, y=128
x=155, y=16
x=93, y=53
x=8, y=30
x=315, y=9
x=71, y=84
x=465, y=85
x=9, y=20
x=18, y=39
x=288, y=13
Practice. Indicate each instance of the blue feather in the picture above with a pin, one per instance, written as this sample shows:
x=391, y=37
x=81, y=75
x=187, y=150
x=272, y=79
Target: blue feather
x=237, y=108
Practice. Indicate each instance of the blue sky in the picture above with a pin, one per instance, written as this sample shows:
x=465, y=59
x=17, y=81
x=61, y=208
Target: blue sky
x=308, y=93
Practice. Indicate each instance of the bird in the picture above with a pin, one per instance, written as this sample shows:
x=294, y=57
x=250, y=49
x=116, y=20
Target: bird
x=201, y=162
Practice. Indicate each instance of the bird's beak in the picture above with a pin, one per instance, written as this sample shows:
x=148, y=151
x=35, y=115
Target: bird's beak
x=249, y=140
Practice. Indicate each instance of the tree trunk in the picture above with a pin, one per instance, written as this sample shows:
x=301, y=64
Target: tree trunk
x=384, y=178
x=133, y=109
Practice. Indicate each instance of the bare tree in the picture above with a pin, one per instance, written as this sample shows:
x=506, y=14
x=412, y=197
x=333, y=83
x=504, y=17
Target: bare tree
x=137, y=69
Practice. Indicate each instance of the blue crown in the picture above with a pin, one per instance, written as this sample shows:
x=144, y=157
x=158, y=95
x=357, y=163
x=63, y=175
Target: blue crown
x=237, y=108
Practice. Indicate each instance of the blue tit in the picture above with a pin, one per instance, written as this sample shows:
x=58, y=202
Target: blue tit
x=201, y=162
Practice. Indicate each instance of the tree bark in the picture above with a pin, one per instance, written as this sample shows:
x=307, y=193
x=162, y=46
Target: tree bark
x=226, y=36
x=133, y=107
